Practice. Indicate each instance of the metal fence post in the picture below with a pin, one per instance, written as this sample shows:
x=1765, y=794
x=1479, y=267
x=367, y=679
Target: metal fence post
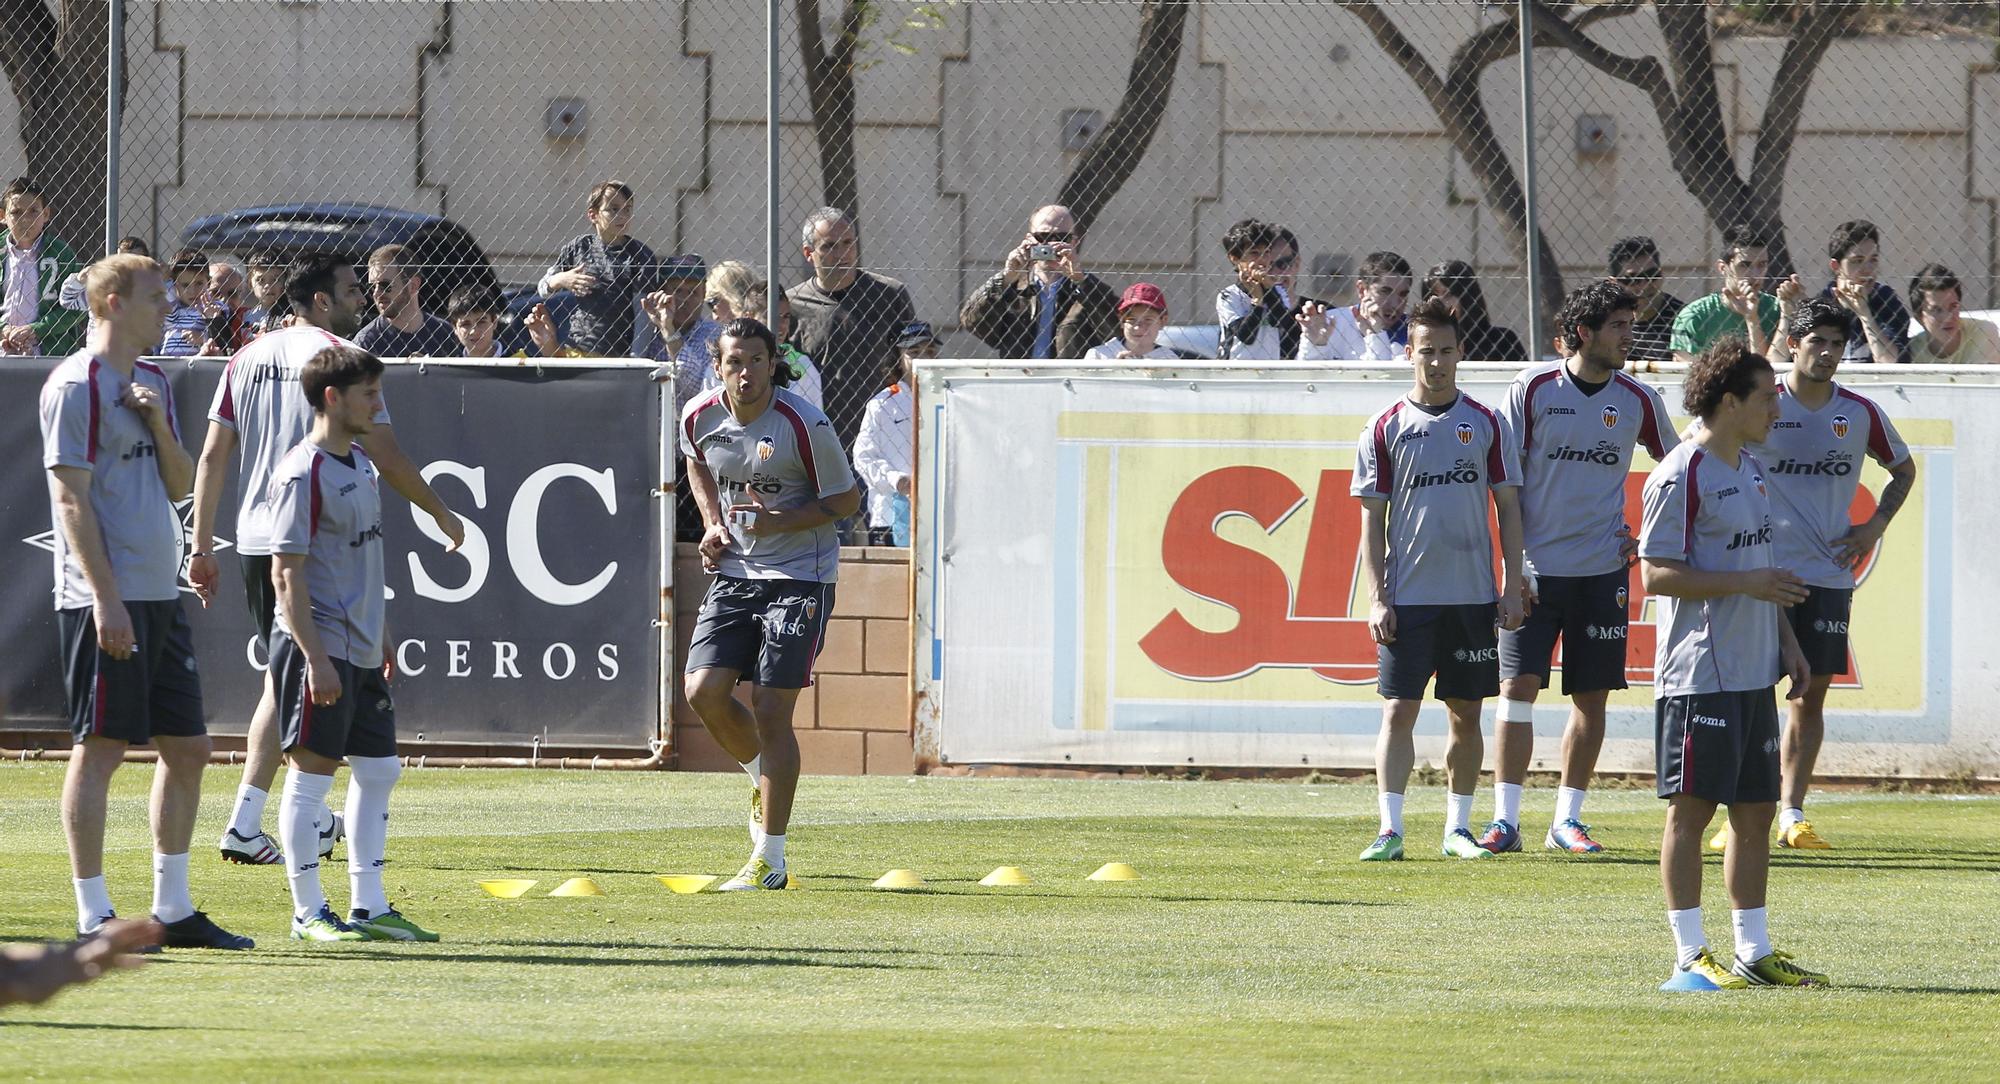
x=771, y=124
x=114, y=95
x=1530, y=218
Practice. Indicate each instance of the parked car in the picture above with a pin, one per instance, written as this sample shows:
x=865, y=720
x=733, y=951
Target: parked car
x=447, y=253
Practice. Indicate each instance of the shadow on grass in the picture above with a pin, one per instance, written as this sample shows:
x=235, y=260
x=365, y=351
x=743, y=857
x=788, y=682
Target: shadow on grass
x=1974, y=991
x=679, y=946
x=74, y=1025
x=735, y=958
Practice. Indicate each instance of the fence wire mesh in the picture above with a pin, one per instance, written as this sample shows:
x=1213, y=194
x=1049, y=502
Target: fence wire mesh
x=1358, y=127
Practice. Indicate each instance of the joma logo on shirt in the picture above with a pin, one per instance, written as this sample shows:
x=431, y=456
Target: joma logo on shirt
x=270, y=370
x=141, y=450
x=1606, y=453
x=372, y=534
x=1413, y=434
x=1759, y=537
x=1835, y=464
x=1464, y=472
x=1558, y=410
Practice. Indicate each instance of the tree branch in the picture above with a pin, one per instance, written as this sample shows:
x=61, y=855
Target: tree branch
x=1398, y=48
x=1115, y=154
x=27, y=43
x=1811, y=37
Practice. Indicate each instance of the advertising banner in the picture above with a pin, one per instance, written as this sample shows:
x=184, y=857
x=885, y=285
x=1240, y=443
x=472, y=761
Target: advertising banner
x=1165, y=569
x=542, y=629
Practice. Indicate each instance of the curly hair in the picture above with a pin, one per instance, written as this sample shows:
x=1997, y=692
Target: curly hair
x=1727, y=367
x=1589, y=305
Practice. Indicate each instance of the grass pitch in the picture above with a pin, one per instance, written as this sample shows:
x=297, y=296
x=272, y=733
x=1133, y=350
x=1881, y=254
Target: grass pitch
x=1254, y=946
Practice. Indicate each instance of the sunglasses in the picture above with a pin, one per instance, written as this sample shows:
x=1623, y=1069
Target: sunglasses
x=1051, y=237
x=1631, y=277
x=1285, y=264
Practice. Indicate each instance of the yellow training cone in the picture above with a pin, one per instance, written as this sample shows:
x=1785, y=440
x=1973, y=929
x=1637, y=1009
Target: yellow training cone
x=577, y=886
x=899, y=879
x=1115, y=871
x=1005, y=875
x=507, y=889
x=686, y=884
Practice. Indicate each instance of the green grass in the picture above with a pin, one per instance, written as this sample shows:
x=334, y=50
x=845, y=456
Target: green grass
x=1255, y=945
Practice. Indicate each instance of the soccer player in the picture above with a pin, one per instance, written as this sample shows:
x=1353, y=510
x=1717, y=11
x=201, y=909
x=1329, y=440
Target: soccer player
x=1813, y=466
x=1577, y=422
x=328, y=662
x=1705, y=548
x=116, y=465
x=771, y=481
x=258, y=413
x=1423, y=468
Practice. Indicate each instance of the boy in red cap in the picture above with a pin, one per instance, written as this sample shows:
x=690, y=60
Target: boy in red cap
x=1142, y=312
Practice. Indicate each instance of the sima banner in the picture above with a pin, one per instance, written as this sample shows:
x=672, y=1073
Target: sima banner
x=1183, y=582
x=539, y=629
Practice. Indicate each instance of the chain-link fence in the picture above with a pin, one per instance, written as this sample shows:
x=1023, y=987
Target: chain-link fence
x=1358, y=127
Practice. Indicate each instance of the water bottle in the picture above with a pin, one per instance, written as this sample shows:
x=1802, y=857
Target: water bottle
x=899, y=526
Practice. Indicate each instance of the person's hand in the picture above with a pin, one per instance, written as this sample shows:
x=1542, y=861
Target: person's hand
x=1777, y=585
x=903, y=484
x=1512, y=611
x=1796, y=669
x=1368, y=316
x=1382, y=623
x=1791, y=291
x=1859, y=541
x=1628, y=546
x=759, y=521
x=205, y=575
x=453, y=528
x=659, y=308
x=1316, y=322
x=1017, y=260
x=1255, y=278
x=322, y=680
x=1530, y=595
x=114, y=628
x=34, y=973
x=542, y=331
x=1066, y=260
x=147, y=404
x=579, y=280
x=714, y=541
x=1852, y=296
x=1741, y=299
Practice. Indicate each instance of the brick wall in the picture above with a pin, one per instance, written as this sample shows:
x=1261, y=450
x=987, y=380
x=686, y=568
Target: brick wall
x=856, y=717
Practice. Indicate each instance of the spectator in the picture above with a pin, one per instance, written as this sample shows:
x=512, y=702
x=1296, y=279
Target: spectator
x=1743, y=267
x=728, y=283
x=848, y=319
x=677, y=331
x=753, y=302
x=1882, y=331
x=227, y=309
x=186, y=327
x=1285, y=261
x=1635, y=263
x=1043, y=308
x=404, y=329
x=1455, y=283
x=1142, y=312
x=73, y=296
x=475, y=313
x=1254, y=313
x=37, y=263
x=885, y=452
x=607, y=271
x=1948, y=338
x=1374, y=328
x=267, y=290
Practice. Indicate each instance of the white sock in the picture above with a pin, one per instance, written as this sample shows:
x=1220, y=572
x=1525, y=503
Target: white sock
x=1458, y=813
x=298, y=833
x=171, y=901
x=1569, y=804
x=1789, y=816
x=1753, y=937
x=92, y=902
x=248, y=818
x=369, y=781
x=772, y=849
x=1689, y=941
x=754, y=768
x=1391, y=806
x=1507, y=803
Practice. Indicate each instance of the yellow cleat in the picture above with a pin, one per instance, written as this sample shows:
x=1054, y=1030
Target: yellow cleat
x=1721, y=841
x=1801, y=837
x=1777, y=969
x=1722, y=978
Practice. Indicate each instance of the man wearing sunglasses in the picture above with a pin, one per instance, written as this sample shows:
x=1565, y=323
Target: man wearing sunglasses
x=404, y=329
x=1042, y=304
x=1635, y=263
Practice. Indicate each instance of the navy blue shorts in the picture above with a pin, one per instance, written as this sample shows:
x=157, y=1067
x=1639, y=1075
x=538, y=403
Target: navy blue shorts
x=1820, y=624
x=362, y=723
x=1720, y=747
x=1589, y=614
x=156, y=692
x=768, y=631
x=1455, y=644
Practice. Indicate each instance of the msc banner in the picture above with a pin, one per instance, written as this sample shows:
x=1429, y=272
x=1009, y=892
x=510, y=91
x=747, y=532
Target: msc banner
x=540, y=629
x=1165, y=569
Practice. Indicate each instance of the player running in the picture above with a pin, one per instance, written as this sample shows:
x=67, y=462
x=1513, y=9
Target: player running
x=259, y=412
x=329, y=664
x=1706, y=549
x=1577, y=422
x=1813, y=460
x=771, y=481
x=1423, y=468
x=113, y=452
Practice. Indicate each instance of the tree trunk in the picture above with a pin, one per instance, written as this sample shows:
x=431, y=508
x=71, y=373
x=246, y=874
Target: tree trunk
x=1114, y=155
x=830, y=88
x=56, y=67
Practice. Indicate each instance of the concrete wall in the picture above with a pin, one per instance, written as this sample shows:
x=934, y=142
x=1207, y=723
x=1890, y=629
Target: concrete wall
x=856, y=718
x=1281, y=111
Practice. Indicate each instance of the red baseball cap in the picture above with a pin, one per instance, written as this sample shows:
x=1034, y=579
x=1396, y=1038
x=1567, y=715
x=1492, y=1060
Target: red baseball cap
x=1143, y=293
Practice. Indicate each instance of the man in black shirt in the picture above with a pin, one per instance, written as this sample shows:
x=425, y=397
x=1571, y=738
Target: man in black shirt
x=1635, y=263
x=848, y=319
x=404, y=329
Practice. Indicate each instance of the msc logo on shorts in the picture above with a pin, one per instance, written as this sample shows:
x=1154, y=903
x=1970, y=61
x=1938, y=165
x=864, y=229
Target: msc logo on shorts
x=1821, y=624
x=1477, y=654
x=1706, y=720
x=1606, y=632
